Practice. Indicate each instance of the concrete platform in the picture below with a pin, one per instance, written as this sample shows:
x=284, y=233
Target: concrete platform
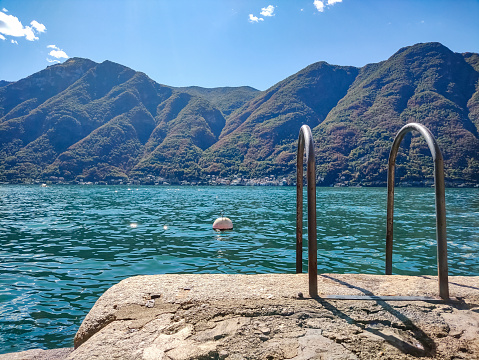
x=271, y=316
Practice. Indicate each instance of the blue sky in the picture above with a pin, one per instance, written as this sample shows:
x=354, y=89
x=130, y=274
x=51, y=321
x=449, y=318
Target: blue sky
x=213, y=43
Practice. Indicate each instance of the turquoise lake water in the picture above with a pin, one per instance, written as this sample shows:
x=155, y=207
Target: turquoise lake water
x=61, y=247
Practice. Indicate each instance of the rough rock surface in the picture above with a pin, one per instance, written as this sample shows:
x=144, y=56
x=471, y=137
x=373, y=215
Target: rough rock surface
x=268, y=317
x=39, y=354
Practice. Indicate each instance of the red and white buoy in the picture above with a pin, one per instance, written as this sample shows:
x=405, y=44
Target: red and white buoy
x=223, y=223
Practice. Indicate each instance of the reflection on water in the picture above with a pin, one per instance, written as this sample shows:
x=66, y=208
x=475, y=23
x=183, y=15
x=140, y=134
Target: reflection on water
x=63, y=246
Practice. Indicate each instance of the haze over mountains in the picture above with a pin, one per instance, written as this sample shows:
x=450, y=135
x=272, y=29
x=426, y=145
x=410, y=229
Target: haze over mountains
x=81, y=120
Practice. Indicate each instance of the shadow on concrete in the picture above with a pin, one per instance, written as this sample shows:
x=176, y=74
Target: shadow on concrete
x=453, y=283
x=466, y=286
x=428, y=346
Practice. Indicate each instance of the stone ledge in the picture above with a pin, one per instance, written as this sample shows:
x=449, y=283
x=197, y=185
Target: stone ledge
x=217, y=316
x=256, y=316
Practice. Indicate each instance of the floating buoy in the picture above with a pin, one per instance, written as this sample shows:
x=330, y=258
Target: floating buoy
x=223, y=223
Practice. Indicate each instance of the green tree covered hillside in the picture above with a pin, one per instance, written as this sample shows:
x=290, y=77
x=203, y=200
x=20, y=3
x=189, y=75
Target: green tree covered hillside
x=84, y=121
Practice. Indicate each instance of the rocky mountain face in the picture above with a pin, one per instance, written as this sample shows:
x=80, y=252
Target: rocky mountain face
x=81, y=120
x=425, y=83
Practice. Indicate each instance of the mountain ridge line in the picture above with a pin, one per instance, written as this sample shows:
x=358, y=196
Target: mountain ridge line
x=83, y=121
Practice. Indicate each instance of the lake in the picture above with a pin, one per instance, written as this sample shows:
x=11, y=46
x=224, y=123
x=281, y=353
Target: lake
x=62, y=246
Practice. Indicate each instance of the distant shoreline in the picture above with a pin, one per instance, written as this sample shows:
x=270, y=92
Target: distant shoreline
x=255, y=183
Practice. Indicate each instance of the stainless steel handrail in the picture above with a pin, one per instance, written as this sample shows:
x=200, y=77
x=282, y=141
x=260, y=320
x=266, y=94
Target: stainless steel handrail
x=306, y=139
x=440, y=204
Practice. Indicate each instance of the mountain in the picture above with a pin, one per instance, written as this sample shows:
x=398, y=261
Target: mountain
x=260, y=137
x=89, y=121
x=355, y=114
x=425, y=83
x=83, y=120
x=226, y=99
x=4, y=83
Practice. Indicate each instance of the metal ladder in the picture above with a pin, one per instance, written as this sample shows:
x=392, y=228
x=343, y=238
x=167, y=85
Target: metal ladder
x=440, y=204
x=306, y=141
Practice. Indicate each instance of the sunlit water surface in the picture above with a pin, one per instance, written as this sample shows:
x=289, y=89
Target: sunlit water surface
x=61, y=247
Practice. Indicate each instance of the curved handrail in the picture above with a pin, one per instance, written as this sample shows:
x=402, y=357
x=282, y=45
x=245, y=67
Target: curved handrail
x=306, y=139
x=440, y=204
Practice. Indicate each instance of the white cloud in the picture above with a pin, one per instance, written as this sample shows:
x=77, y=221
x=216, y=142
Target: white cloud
x=319, y=5
x=59, y=54
x=56, y=53
x=11, y=26
x=4, y=10
x=29, y=34
x=254, y=19
x=267, y=11
x=37, y=26
x=2, y=37
x=14, y=42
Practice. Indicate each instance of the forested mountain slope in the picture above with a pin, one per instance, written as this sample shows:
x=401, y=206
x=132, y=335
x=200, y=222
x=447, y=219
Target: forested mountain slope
x=425, y=83
x=81, y=120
